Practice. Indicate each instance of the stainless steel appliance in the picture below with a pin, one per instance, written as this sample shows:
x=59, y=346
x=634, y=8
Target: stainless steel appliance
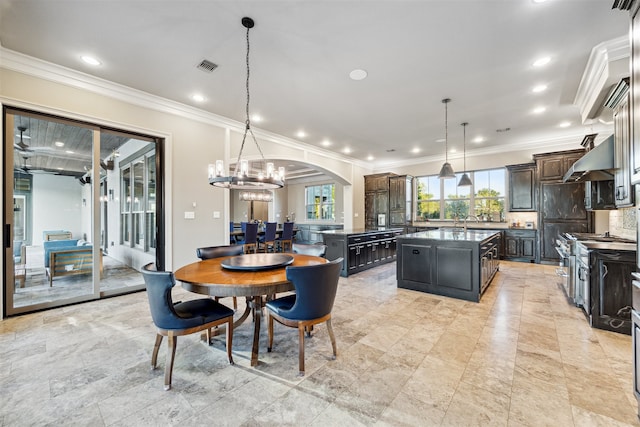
x=583, y=277
x=566, y=271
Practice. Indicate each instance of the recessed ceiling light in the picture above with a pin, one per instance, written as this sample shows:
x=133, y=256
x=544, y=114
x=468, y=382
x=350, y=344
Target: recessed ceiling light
x=415, y=150
x=59, y=144
x=326, y=143
x=60, y=169
x=358, y=74
x=346, y=150
x=539, y=1
x=478, y=140
x=370, y=158
x=197, y=97
x=540, y=62
x=301, y=134
x=440, y=140
x=539, y=110
x=256, y=118
x=90, y=60
x=565, y=124
x=453, y=150
x=539, y=88
x=69, y=151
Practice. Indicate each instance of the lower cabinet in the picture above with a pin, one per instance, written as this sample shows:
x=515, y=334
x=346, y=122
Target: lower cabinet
x=520, y=245
x=361, y=250
x=454, y=268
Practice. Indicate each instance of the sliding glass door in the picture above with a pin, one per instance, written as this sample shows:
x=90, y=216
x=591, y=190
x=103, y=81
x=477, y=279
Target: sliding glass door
x=81, y=207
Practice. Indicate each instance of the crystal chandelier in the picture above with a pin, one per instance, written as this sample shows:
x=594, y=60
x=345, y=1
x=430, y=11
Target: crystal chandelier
x=447, y=170
x=268, y=178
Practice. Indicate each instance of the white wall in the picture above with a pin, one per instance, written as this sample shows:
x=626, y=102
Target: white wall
x=57, y=205
x=193, y=140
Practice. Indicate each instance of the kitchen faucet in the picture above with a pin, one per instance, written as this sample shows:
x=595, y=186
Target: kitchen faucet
x=465, y=221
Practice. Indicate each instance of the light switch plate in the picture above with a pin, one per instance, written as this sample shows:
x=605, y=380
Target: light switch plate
x=216, y=214
x=189, y=215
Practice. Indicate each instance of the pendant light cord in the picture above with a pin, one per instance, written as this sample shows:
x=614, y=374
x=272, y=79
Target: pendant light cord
x=446, y=131
x=464, y=146
x=247, y=122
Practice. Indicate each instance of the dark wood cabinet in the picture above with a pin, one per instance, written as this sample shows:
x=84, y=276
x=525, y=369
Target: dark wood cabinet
x=520, y=245
x=561, y=205
x=522, y=188
x=387, y=194
x=361, y=250
x=611, y=289
x=635, y=93
x=624, y=194
x=400, y=191
x=599, y=195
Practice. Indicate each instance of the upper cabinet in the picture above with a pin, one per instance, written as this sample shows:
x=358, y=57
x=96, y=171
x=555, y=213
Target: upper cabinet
x=400, y=189
x=522, y=188
x=553, y=166
x=620, y=102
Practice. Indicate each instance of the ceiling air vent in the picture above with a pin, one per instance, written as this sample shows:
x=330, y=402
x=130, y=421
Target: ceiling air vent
x=207, y=66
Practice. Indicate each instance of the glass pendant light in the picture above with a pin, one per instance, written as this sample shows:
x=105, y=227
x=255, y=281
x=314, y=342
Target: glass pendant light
x=446, y=171
x=465, y=181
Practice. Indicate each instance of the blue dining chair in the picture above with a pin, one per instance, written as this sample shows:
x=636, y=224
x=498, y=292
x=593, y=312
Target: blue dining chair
x=269, y=238
x=250, y=243
x=315, y=293
x=286, y=239
x=182, y=318
x=243, y=227
x=210, y=252
x=232, y=239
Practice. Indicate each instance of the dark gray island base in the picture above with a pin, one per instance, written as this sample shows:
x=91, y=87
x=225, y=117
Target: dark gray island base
x=457, y=264
x=361, y=248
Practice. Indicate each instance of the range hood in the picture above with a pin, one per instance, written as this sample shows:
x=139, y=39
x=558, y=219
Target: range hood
x=596, y=165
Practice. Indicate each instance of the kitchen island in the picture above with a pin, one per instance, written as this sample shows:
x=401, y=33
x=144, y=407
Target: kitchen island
x=449, y=262
x=361, y=248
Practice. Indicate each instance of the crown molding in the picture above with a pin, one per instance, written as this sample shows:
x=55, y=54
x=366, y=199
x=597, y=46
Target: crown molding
x=607, y=64
x=15, y=61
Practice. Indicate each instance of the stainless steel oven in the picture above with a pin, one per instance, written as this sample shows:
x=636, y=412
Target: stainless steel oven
x=566, y=270
x=583, y=273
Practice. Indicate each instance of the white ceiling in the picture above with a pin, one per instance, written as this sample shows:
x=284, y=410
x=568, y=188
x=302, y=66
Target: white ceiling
x=479, y=53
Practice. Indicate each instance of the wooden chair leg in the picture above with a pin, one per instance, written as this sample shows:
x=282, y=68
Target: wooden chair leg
x=235, y=303
x=171, y=355
x=332, y=337
x=270, y=329
x=230, y=340
x=154, y=355
x=301, y=350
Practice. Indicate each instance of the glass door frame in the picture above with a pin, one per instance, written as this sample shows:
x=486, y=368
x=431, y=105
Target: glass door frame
x=8, y=116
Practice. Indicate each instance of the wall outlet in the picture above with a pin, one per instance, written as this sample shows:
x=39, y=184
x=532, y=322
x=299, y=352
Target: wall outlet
x=189, y=215
x=216, y=214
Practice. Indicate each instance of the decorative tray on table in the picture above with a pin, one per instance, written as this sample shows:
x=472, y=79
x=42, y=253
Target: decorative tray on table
x=255, y=262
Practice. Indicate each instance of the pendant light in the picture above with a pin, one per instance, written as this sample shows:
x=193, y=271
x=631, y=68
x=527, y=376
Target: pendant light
x=465, y=181
x=446, y=171
x=241, y=178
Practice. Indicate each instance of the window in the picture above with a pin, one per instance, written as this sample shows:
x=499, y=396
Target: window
x=320, y=201
x=443, y=199
x=138, y=201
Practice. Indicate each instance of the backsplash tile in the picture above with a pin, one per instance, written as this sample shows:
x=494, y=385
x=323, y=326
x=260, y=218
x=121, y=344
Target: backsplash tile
x=623, y=223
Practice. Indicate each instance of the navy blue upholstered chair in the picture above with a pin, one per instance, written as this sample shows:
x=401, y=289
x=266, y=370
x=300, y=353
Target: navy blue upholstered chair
x=217, y=252
x=305, y=249
x=269, y=238
x=315, y=288
x=232, y=239
x=286, y=239
x=243, y=227
x=251, y=238
x=183, y=318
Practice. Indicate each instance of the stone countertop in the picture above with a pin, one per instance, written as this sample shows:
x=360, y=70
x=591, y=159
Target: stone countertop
x=471, y=225
x=452, y=235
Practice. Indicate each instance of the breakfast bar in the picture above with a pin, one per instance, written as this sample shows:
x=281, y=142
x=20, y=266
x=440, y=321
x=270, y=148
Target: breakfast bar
x=450, y=262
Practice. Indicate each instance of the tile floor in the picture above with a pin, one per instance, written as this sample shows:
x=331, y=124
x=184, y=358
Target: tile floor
x=520, y=357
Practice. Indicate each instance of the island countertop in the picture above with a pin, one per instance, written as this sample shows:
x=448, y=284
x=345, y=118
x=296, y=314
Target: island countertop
x=452, y=235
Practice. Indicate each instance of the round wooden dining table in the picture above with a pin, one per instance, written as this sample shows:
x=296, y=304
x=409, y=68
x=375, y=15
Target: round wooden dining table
x=209, y=277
